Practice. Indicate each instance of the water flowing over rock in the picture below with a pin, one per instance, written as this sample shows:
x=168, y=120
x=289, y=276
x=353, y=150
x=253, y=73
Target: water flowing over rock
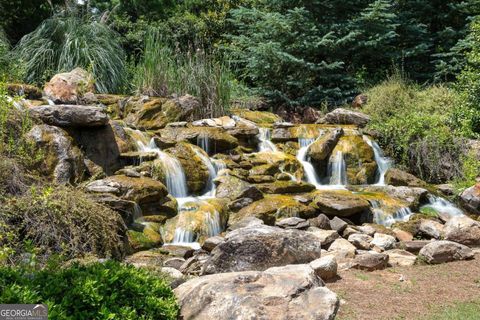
x=260, y=247
x=319, y=151
x=353, y=161
x=383, y=162
x=69, y=87
x=198, y=173
x=174, y=174
x=298, y=294
x=273, y=207
x=344, y=116
x=70, y=115
x=266, y=144
x=63, y=160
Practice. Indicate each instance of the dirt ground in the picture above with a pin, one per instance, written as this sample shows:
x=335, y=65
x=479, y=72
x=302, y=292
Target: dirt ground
x=381, y=294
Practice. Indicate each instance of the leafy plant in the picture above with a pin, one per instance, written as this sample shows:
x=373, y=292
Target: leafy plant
x=103, y=291
x=69, y=40
x=163, y=71
x=416, y=127
x=59, y=221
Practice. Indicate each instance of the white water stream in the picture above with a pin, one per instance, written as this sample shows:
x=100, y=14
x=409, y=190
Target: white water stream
x=383, y=162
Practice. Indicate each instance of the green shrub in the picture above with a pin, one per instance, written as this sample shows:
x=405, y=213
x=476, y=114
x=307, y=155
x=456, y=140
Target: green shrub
x=163, y=71
x=58, y=221
x=416, y=127
x=64, y=42
x=107, y=290
x=14, y=123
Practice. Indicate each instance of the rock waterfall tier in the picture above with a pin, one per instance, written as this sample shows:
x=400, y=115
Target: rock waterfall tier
x=383, y=162
x=311, y=175
x=265, y=141
x=175, y=180
x=337, y=170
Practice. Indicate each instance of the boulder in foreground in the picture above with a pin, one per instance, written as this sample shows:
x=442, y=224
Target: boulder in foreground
x=445, y=251
x=289, y=292
x=260, y=247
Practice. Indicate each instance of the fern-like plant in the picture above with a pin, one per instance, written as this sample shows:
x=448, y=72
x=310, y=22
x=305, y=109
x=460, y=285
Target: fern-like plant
x=66, y=41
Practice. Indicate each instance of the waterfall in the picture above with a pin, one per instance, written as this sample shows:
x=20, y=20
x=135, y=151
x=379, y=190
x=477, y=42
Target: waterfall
x=211, y=226
x=308, y=168
x=137, y=211
x=265, y=143
x=337, y=169
x=386, y=219
x=204, y=142
x=441, y=205
x=383, y=162
x=175, y=180
x=212, y=172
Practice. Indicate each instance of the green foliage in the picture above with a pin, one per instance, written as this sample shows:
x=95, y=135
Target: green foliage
x=58, y=221
x=415, y=127
x=468, y=113
x=14, y=124
x=163, y=71
x=71, y=40
x=20, y=17
x=104, y=291
x=470, y=171
x=308, y=52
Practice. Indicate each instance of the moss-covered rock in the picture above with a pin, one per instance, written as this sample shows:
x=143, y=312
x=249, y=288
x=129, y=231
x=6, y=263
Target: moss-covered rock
x=61, y=159
x=233, y=188
x=283, y=187
x=195, y=169
x=320, y=151
x=359, y=159
x=397, y=177
x=156, y=113
x=272, y=208
x=148, y=238
x=197, y=221
x=25, y=90
x=340, y=203
x=217, y=139
x=258, y=117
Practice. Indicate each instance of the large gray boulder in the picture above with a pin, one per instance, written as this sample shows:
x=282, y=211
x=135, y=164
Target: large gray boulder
x=463, y=230
x=470, y=199
x=345, y=116
x=445, y=251
x=260, y=247
x=70, y=115
x=289, y=292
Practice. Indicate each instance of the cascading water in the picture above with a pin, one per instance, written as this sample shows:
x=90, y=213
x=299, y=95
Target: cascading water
x=204, y=142
x=212, y=172
x=441, y=205
x=385, y=219
x=175, y=180
x=383, y=162
x=337, y=169
x=265, y=143
x=308, y=168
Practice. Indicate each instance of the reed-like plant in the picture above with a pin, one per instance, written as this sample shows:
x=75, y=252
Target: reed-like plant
x=69, y=40
x=165, y=71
